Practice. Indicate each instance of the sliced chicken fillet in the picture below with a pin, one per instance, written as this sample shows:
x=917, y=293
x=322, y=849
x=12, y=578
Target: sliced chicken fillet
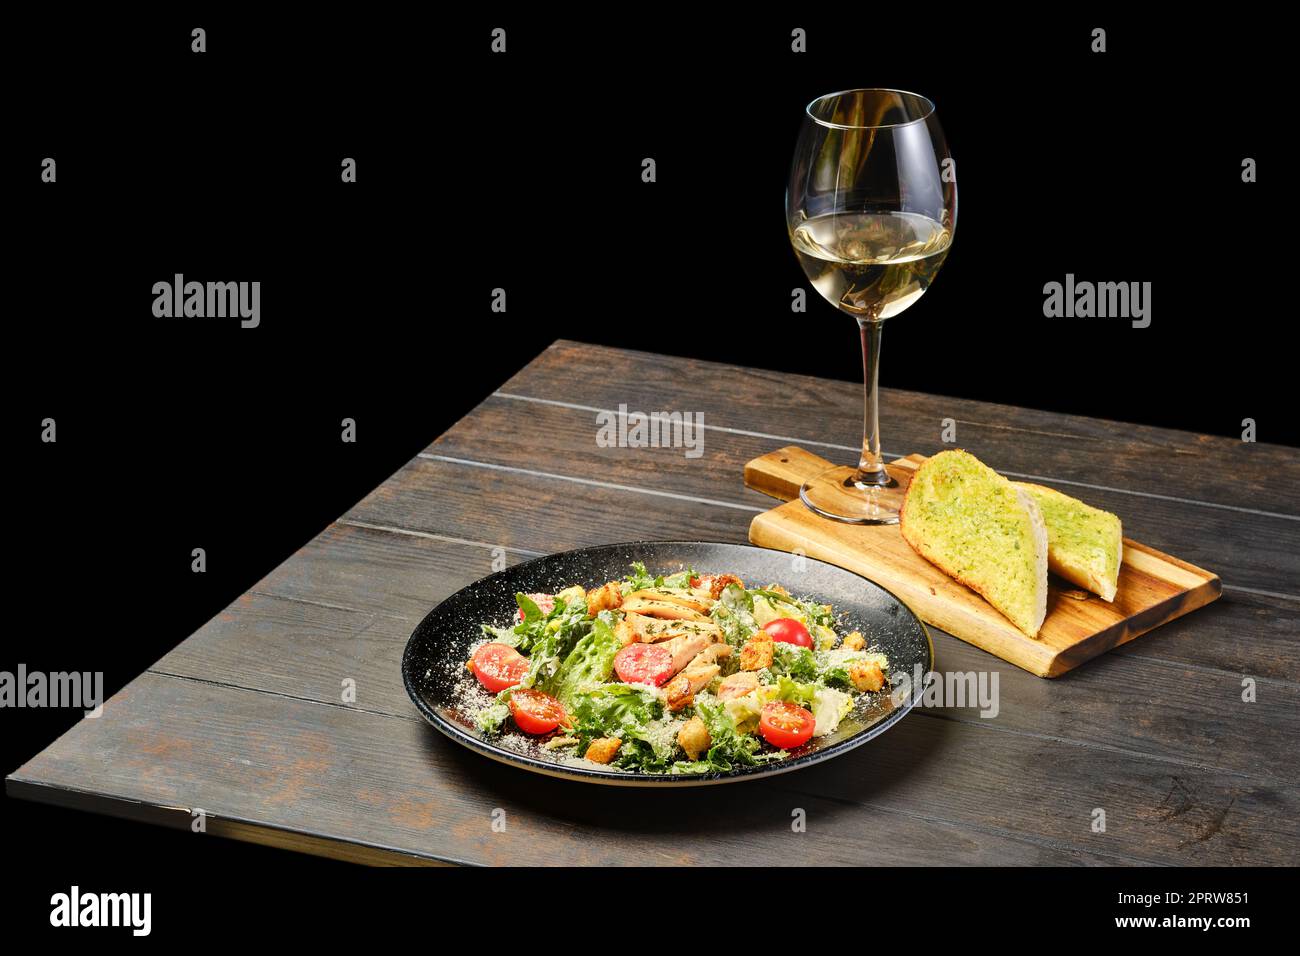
x=685, y=650
x=681, y=690
x=737, y=685
x=684, y=599
x=652, y=630
x=661, y=609
x=710, y=655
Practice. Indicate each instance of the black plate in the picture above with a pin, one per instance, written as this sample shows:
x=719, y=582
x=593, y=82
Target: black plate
x=433, y=667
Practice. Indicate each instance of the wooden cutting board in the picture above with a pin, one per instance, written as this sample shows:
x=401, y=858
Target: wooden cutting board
x=1153, y=587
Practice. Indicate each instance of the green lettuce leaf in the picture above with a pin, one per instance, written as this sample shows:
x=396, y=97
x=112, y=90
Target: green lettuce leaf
x=552, y=639
x=734, y=615
x=802, y=694
x=640, y=579
x=679, y=579
x=590, y=663
x=790, y=660
x=635, y=716
x=492, y=717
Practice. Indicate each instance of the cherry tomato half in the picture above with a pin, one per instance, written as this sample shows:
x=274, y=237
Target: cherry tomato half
x=790, y=631
x=545, y=603
x=535, y=712
x=498, y=666
x=785, y=724
x=644, y=664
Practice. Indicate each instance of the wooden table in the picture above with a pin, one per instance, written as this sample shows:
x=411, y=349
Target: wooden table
x=246, y=718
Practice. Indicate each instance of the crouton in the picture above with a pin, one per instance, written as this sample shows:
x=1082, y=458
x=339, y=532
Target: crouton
x=777, y=589
x=603, y=749
x=626, y=632
x=604, y=598
x=694, y=738
x=866, y=675
x=757, y=652
x=855, y=641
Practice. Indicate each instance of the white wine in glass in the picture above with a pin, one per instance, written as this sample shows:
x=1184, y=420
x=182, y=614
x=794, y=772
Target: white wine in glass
x=871, y=211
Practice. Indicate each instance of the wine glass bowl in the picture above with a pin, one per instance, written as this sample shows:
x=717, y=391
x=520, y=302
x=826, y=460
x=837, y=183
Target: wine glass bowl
x=871, y=210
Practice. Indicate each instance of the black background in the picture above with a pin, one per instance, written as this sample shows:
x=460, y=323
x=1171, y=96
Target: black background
x=522, y=171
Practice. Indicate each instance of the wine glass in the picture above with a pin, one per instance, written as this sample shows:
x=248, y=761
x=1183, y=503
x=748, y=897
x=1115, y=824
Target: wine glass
x=871, y=210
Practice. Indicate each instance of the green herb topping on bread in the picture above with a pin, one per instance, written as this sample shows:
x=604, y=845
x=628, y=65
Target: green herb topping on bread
x=1084, y=544
x=978, y=527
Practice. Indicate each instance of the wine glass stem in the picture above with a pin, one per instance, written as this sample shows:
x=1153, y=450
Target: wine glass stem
x=871, y=466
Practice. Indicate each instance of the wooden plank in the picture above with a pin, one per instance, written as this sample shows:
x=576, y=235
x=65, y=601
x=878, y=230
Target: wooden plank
x=1160, y=709
x=1252, y=551
x=566, y=443
x=1245, y=634
x=1011, y=439
x=382, y=572
x=537, y=513
x=300, y=650
x=1157, y=709
x=397, y=787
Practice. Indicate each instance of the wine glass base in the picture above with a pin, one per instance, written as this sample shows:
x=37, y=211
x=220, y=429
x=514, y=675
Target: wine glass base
x=834, y=494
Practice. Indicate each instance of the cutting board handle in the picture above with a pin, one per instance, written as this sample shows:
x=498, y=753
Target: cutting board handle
x=781, y=473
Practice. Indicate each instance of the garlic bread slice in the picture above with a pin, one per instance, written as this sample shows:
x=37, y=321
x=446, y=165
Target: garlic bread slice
x=1085, y=545
x=976, y=526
